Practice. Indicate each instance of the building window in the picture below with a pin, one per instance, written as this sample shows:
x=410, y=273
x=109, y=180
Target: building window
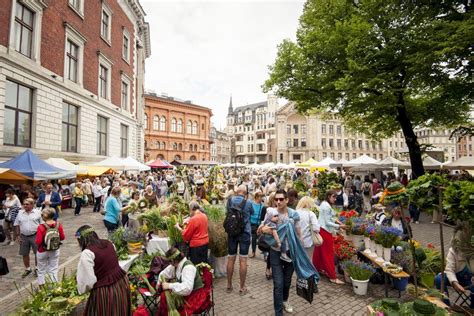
x=190, y=147
x=303, y=129
x=375, y=156
x=288, y=129
x=17, y=120
x=346, y=143
x=72, y=58
x=323, y=129
x=354, y=156
x=347, y=156
x=77, y=6
x=180, y=126
x=353, y=143
x=338, y=129
x=195, y=128
x=163, y=123
x=323, y=142
x=295, y=129
x=331, y=142
x=105, y=76
x=295, y=142
x=360, y=144
x=303, y=142
x=331, y=129
x=180, y=146
x=69, y=128
x=125, y=95
x=367, y=144
x=156, y=122
x=188, y=127
x=175, y=146
x=332, y=156
x=163, y=145
x=145, y=121
x=24, y=19
x=380, y=156
x=123, y=140
x=325, y=155
x=288, y=142
x=195, y=147
x=339, y=156
x=106, y=23
x=338, y=142
x=102, y=123
x=173, y=125
x=126, y=46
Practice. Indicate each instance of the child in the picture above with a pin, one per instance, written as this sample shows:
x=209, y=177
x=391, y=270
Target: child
x=271, y=220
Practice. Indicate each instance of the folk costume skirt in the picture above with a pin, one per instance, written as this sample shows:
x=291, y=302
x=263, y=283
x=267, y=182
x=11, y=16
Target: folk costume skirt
x=323, y=256
x=195, y=303
x=110, y=300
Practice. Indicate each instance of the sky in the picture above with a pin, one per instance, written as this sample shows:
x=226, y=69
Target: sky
x=206, y=51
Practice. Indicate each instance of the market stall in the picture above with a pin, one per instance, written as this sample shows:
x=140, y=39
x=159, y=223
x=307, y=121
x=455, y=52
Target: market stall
x=11, y=176
x=65, y=165
x=118, y=164
x=93, y=171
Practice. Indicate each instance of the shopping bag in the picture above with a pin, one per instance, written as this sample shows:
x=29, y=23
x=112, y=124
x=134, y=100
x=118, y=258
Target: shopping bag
x=305, y=288
x=262, y=243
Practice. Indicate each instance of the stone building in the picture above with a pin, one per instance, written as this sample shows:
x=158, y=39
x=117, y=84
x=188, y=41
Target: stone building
x=251, y=131
x=222, y=147
x=176, y=129
x=464, y=146
x=71, y=78
x=300, y=137
x=442, y=148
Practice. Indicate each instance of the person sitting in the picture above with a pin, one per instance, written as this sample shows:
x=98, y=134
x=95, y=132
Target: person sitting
x=181, y=278
x=379, y=214
x=459, y=263
x=397, y=221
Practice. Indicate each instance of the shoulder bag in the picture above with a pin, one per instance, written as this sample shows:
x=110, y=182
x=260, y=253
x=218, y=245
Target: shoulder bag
x=317, y=239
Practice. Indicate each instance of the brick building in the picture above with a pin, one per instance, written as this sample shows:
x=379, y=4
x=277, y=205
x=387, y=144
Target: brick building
x=71, y=78
x=176, y=130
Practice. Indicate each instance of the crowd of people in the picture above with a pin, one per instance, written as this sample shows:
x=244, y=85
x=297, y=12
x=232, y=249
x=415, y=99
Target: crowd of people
x=267, y=202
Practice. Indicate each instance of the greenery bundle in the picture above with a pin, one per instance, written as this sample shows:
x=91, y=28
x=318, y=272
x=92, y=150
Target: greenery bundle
x=423, y=191
x=459, y=201
x=325, y=181
x=175, y=302
x=174, y=234
x=215, y=212
x=121, y=246
x=217, y=238
x=153, y=221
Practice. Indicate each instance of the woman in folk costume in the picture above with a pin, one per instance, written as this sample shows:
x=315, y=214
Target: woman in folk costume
x=182, y=278
x=99, y=272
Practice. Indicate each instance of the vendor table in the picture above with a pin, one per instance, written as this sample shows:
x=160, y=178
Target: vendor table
x=378, y=264
x=157, y=245
x=127, y=263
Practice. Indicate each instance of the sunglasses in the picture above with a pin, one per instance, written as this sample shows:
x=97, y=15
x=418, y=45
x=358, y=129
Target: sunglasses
x=279, y=199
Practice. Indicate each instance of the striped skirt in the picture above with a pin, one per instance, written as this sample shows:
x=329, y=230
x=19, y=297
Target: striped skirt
x=110, y=300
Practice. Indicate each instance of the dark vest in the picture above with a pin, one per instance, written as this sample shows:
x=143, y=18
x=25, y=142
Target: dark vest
x=106, y=266
x=197, y=278
x=340, y=199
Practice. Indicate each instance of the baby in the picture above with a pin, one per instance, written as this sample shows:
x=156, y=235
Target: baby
x=271, y=220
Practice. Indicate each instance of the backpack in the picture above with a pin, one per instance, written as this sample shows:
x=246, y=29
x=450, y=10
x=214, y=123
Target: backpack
x=3, y=266
x=234, y=219
x=52, y=240
x=366, y=188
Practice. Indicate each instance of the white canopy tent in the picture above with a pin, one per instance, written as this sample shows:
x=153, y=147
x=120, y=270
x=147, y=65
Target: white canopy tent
x=325, y=163
x=431, y=163
x=117, y=164
x=340, y=163
x=66, y=165
x=268, y=165
x=361, y=161
x=255, y=166
x=462, y=163
x=390, y=162
x=139, y=165
x=280, y=165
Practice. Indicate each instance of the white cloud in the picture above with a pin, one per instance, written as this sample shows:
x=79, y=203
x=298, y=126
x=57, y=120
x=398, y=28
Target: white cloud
x=206, y=50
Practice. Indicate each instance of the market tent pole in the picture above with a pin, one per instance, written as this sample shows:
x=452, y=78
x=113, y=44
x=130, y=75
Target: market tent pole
x=441, y=236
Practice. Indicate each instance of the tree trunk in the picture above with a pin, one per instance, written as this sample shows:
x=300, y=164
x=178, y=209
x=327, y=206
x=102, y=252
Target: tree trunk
x=410, y=138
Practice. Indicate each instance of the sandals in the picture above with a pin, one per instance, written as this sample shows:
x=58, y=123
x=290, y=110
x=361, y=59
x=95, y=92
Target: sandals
x=243, y=291
x=268, y=274
x=336, y=281
x=229, y=289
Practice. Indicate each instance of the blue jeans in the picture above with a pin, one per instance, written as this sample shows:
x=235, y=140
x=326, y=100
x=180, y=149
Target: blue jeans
x=77, y=210
x=282, y=272
x=464, y=279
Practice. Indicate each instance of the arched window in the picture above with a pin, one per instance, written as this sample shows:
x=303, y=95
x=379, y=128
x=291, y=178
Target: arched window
x=195, y=147
x=160, y=156
x=177, y=157
x=195, y=128
x=163, y=145
x=158, y=145
x=145, y=121
x=175, y=146
x=192, y=157
x=180, y=146
x=180, y=126
x=190, y=147
x=188, y=127
x=156, y=122
x=163, y=123
x=173, y=125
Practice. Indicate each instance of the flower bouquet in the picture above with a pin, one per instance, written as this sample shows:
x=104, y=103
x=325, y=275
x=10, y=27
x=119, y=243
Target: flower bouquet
x=343, y=249
x=388, y=239
x=360, y=274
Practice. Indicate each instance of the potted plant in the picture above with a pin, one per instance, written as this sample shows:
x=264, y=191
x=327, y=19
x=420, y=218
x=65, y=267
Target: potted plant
x=358, y=230
x=360, y=274
x=344, y=266
x=389, y=237
x=368, y=232
x=378, y=243
x=430, y=266
x=343, y=249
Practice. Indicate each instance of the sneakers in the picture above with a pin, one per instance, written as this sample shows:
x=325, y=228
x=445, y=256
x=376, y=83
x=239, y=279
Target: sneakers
x=26, y=273
x=12, y=243
x=417, y=222
x=288, y=308
x=285, y=257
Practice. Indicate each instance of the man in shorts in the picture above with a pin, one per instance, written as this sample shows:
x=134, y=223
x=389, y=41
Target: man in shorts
x=26, y=224
x=241, y=241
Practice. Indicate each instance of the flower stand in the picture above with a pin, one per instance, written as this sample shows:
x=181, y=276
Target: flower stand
x=373, y=253
x=379, y=250
x=367, y=245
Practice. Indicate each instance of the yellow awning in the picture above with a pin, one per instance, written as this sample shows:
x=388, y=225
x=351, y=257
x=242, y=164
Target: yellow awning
x=307, y=164
x=11, y=175
x=94, y=171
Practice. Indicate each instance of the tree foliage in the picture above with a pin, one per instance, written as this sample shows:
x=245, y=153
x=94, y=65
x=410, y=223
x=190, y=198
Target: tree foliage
x=381, y=65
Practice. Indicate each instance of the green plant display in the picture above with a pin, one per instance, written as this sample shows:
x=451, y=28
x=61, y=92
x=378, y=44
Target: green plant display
x=423, y=192
x=325, y=181
x=459, y=201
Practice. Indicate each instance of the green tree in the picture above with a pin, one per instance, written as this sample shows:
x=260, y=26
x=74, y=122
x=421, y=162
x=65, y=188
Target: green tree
x=381, y=65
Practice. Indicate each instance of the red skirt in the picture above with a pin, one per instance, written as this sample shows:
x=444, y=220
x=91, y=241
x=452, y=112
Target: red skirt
x=195, y=303
x=323, y=256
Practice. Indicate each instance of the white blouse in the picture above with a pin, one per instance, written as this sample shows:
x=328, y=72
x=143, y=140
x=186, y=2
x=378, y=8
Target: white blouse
x=186, y=274
x=85, y=272
x=308, y=224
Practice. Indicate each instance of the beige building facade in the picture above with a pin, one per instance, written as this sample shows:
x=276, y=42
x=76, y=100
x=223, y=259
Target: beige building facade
x=251, y=131
x=300, y=137
x=442, y=148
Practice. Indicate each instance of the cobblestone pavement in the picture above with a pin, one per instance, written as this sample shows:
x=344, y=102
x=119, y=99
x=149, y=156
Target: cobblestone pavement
x=331, y=299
